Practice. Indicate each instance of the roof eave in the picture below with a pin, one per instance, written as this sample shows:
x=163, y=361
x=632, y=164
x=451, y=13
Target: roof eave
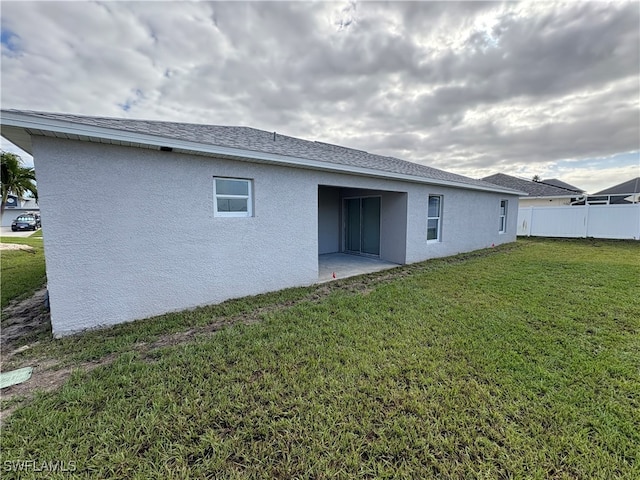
x=21, y=121
x=545, y=197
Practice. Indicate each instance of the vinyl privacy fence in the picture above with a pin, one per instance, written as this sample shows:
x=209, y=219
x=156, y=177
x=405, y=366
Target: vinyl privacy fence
x=597, y=221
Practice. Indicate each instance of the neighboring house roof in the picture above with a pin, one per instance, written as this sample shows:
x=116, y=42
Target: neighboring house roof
x=534, y=189
x=241, y=143
x=559, y=183
x=630, y=186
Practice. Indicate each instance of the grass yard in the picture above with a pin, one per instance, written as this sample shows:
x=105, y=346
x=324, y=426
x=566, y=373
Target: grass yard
x=22, y=273
x=515, y=362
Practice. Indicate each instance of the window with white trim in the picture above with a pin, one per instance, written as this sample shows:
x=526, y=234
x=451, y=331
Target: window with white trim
x=503, y=216
x=434, y=217
x=232, y=197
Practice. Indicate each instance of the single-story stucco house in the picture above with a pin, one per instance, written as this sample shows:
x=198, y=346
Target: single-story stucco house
x=621, y=194
x=545, y=193
x=179, y=215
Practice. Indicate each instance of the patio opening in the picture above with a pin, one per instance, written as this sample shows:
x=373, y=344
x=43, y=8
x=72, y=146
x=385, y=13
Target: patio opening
x=360, y=231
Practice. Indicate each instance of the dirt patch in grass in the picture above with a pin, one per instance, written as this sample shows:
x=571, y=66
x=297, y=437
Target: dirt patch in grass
x=47, y=375
x=17, y=246
x=24, y=321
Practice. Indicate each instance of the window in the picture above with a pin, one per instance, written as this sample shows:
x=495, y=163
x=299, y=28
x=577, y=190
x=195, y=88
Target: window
x=503, y=216
x=232, y=197
x=433, y=218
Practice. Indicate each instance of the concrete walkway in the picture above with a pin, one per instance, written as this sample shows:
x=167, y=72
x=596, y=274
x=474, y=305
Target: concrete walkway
x=345, y=265
x=6, y=232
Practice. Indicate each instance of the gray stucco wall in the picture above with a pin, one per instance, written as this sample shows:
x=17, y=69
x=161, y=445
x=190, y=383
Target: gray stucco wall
x=470, y=220
x=328, y=220
x=393, y=217
x=127, y=255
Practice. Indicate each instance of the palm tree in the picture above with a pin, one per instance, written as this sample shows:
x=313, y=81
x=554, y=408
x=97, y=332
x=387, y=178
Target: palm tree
x=16, y=179
x=536, y=178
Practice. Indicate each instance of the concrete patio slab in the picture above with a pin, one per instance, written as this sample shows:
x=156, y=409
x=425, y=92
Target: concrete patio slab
x=345, y=265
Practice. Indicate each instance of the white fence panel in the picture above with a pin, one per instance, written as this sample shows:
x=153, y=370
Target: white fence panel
x=598, y=221
x=567, y=222
x=614, y=221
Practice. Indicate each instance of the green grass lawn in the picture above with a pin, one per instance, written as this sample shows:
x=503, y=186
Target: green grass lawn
x=517, y=362
x=22, y=273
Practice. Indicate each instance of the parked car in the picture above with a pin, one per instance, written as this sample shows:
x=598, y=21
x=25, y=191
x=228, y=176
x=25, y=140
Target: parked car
x=26, y=221
x=37, y=215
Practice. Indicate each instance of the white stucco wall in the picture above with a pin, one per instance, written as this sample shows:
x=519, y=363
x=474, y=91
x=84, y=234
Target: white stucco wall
x=127, y=256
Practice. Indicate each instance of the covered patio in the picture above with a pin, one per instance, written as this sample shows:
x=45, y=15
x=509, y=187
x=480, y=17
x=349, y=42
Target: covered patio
x=346, y=265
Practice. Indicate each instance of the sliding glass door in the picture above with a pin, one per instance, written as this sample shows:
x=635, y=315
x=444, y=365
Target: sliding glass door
x=362, y=225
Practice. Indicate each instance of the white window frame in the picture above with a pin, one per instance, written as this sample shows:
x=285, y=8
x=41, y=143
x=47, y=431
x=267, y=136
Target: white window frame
x=438, y=218
x=503, y=217
x=248, y=197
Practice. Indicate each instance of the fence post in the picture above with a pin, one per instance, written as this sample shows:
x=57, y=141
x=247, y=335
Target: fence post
x=586, y=219
x=525, y=215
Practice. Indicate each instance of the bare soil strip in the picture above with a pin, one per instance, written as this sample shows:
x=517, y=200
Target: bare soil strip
x=16, y=246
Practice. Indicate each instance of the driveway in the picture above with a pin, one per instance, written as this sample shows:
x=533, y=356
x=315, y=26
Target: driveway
x=6, y=232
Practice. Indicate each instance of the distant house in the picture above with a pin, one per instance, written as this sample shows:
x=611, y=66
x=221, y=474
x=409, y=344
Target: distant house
x=546, y=193
x=16, y=206
x=183, y=215
x=559, y=183
x=563, y=210
x=623, y=193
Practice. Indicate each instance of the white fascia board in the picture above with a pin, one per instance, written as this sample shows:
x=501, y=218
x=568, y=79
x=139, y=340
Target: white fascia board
x=26, y=121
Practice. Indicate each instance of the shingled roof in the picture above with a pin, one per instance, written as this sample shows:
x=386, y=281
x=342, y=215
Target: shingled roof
x=534, y=189
x=630, y=186
x=559, y=183
x=242, y=139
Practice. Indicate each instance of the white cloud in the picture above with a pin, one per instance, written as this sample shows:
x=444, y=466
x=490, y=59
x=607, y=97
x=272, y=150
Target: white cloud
x=473, y=88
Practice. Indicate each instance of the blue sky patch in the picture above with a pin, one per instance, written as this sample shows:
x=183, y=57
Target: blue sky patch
x=132, y=100
x=9, y=40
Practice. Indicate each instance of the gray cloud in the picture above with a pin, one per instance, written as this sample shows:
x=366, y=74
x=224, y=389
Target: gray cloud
x=464, y=86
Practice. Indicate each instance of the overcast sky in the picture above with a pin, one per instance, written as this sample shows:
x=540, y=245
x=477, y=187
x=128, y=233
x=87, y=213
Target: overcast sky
x=473, y=88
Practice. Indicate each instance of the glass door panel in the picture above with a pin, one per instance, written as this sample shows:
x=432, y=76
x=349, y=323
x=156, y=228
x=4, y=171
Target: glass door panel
x=362, y=225
x=370, y=235
x=352, y=236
